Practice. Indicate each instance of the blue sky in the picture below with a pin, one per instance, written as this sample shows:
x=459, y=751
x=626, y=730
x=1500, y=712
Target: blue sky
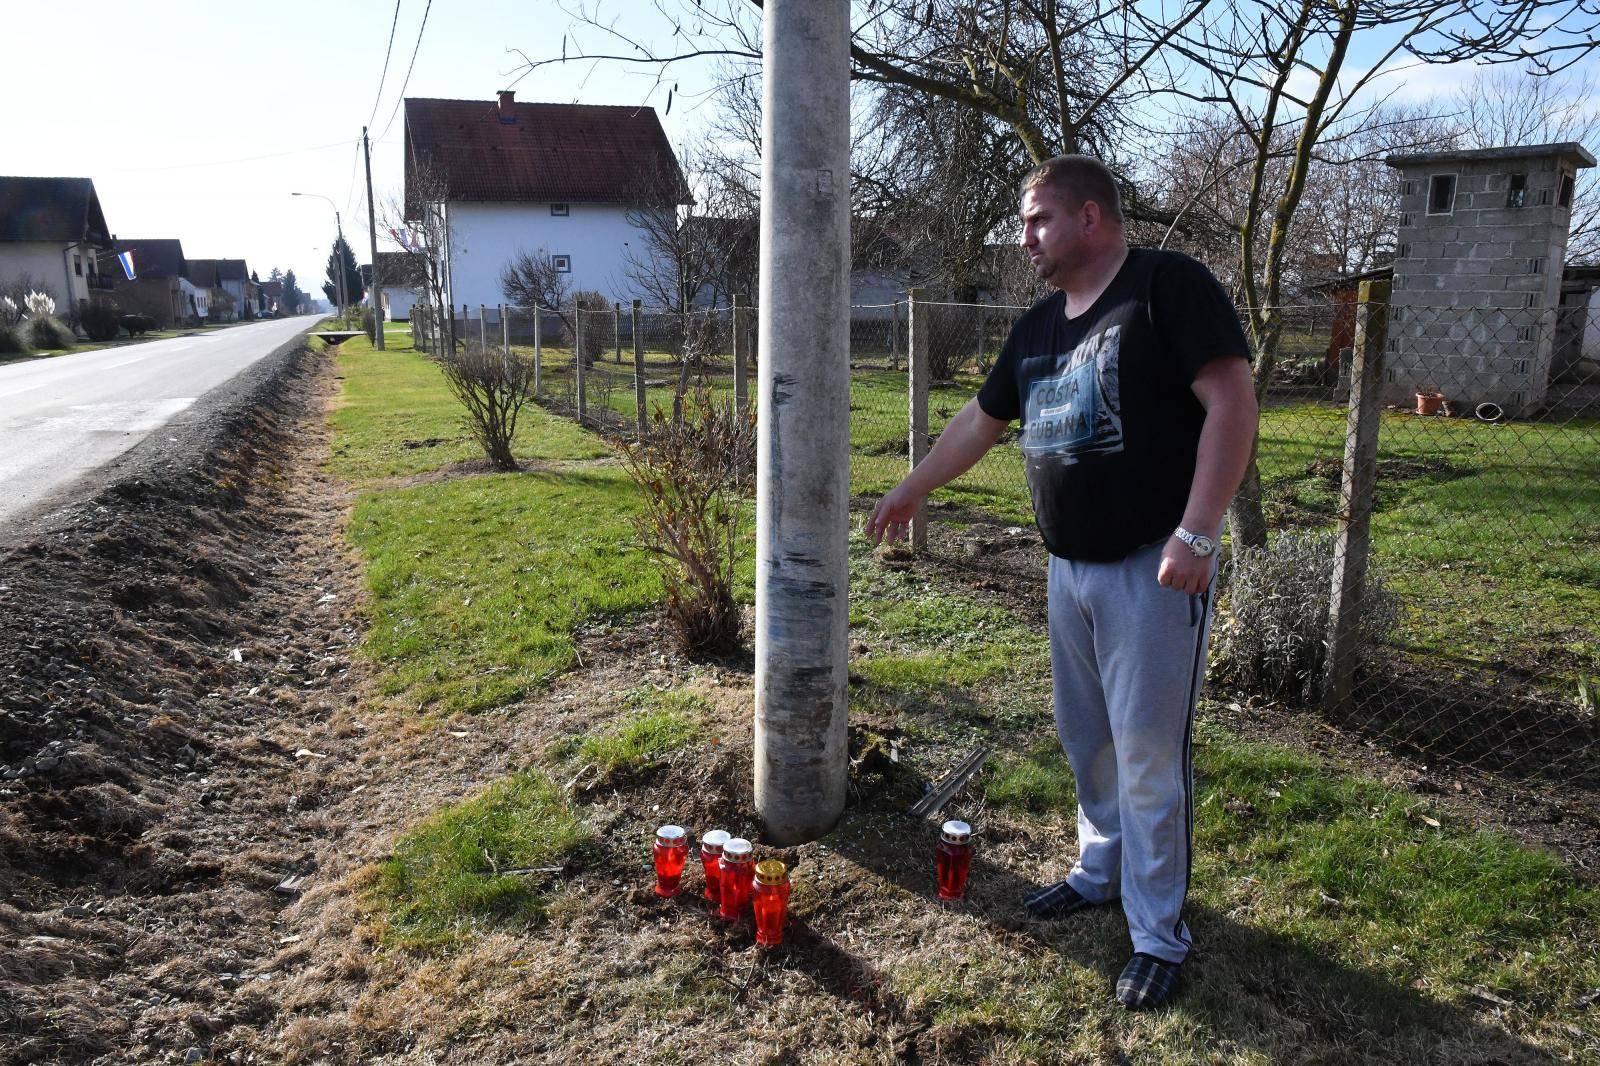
x=197, y=120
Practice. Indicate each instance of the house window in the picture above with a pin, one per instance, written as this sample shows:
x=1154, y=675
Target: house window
x=562, y=263
x=561, y=210
x=1517, y=191
x=77, y=265
x=1565, y=198
x=1442, y=194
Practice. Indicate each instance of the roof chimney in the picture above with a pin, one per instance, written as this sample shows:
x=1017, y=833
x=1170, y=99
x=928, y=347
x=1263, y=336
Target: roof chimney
x=507, y=98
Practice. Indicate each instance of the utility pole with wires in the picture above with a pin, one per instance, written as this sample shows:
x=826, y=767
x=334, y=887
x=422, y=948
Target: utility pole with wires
x=378, y=315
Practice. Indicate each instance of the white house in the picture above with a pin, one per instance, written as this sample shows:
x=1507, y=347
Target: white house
x=557, y=180
x=53, y=232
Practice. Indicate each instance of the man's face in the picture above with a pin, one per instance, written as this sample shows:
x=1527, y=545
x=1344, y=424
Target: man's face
x=1054, y=237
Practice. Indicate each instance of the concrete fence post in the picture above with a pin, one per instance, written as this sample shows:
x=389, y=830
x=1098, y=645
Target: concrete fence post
x=616, y=335
x=577, y=363
x=538, y=348
x=505, y=334
x=1353, y=544
x=741, y=341
x=641, y=418
x=483, y=328
x=917, y=363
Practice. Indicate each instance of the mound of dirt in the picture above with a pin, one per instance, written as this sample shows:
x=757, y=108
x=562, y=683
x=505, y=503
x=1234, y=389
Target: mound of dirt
x=165, y=647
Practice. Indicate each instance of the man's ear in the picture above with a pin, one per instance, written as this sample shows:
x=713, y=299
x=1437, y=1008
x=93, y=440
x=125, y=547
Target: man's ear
x=1089, y=216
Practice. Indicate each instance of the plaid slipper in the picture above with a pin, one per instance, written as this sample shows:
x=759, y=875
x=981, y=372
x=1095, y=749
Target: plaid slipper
x=1054, y=901
x=1147, y=982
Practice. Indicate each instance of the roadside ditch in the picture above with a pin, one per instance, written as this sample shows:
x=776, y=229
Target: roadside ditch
x=170, y=653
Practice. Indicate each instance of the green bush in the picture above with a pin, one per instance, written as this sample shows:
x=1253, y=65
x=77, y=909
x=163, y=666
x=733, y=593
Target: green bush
x=102, y=319
x=369, y=325
x=48, y=332
x=12, y=342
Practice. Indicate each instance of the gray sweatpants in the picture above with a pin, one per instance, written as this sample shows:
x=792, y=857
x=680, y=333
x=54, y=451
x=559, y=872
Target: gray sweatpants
x=1127, y=657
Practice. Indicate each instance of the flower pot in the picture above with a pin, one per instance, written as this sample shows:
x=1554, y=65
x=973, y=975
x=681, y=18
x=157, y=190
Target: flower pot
x=1430, y=403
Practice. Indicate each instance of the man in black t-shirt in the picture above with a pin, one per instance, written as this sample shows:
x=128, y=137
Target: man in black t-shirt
x=1133, y=387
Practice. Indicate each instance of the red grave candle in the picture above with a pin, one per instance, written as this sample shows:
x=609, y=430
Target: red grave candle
x=672, y=849
x=953, y=859
x=710, y=855
x=770, y=901
x=733, y=878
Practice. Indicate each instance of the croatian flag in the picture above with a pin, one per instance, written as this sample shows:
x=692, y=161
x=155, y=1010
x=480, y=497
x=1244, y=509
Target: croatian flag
x=126, y=259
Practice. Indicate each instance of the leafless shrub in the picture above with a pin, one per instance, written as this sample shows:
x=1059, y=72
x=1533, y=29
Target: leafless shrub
x=694, y=476
x=493, y=386
x=1273, y=638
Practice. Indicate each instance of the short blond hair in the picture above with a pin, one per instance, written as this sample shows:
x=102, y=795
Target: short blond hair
x=1078, y=179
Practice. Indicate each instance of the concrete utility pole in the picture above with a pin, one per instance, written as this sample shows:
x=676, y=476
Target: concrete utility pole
x=378, y=315
x=803, y=479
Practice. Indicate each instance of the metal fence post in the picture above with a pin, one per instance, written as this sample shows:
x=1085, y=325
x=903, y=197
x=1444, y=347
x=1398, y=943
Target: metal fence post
x=638, y=372
x=1353, y=545
x=894, y=336
x=538, y=349
x=741, y=341
x=921, y=320
x=577, y=363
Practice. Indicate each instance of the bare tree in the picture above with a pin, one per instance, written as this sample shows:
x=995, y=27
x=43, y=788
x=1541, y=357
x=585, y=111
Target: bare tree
x=421, y=223
x=1509, y=107
x=532, y=280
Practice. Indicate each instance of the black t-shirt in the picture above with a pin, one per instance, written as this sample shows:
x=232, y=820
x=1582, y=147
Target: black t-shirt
x=1110, y=426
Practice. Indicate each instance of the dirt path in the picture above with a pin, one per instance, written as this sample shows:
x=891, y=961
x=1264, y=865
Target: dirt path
x=173, y=653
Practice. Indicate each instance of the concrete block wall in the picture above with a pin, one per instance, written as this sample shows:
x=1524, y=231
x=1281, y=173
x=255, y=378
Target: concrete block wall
x=1476, y=287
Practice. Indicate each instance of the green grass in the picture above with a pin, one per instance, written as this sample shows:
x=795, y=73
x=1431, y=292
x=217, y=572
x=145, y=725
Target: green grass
x=396, y=418
x=450, y=876
x=637, y=742
x=478, y=583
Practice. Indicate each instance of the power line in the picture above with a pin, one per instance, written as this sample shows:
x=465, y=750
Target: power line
x=385, y=75
x=402, y=97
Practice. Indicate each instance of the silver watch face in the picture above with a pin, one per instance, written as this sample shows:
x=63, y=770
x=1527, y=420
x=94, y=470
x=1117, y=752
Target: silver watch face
x=1203, y=546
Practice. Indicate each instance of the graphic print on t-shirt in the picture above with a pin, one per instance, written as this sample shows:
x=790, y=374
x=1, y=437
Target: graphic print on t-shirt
x=1076, y=411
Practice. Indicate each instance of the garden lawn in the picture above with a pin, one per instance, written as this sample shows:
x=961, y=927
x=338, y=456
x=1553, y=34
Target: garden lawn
x=1337, y=919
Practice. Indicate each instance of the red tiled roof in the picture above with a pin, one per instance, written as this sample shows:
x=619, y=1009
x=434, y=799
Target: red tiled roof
x=565, y=153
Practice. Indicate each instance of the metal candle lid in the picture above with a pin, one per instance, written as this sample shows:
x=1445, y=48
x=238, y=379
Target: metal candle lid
x=771, y=872
x=714, y=841
x=671, y=835
x=957, y=832
x=737, y=850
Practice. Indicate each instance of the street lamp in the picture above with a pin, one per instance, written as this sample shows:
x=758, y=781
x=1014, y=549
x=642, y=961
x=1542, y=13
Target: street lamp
x=338, y=270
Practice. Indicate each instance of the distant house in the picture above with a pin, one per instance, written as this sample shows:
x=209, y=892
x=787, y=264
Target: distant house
x=206, y=275
x=556, y=179
x=402, y=276
x=233, y=275
x=53, y=232
x=161, y=288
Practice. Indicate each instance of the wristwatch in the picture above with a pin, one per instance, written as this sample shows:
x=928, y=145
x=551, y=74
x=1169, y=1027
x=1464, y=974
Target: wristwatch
x=1202, y=546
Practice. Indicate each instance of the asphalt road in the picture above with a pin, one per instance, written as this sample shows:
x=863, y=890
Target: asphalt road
x=66, y=417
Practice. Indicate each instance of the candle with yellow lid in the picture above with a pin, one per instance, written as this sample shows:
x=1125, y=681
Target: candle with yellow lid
x=770, y=900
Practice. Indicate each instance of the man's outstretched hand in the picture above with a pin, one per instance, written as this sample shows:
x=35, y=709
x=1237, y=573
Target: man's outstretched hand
x=892, y=517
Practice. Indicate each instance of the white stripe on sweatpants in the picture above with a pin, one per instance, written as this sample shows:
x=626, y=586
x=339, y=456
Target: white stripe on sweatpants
x=1127, y=657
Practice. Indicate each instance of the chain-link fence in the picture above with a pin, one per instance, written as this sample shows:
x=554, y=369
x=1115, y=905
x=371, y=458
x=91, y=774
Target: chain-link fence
x=1430, y=484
